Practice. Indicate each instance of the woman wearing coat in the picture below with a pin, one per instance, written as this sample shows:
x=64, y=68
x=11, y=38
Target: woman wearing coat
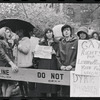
x=23, y=58
x=66, y=56
x=6, y=59
x=48, y=90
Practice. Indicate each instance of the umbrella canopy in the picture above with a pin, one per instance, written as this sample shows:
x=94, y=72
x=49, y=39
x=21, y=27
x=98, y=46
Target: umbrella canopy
x=16, y=24
x=57, y=30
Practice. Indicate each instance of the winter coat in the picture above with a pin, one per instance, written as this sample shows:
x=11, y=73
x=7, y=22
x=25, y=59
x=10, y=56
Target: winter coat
x=66, y=55
x=67, y=52
x=6, y=54
x=49, y=64
x=23, y=54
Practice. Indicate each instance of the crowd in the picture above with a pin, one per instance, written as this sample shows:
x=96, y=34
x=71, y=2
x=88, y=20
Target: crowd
x=15, y=52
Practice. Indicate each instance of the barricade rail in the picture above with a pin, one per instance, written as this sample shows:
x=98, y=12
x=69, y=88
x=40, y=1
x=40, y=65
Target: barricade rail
x=36, y=75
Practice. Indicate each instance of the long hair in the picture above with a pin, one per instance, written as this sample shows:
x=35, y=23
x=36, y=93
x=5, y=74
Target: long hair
x=2, y=32
x=46, y=31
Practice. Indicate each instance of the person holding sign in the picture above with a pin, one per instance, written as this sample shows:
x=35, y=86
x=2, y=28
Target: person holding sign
x=67, y=53
x=50, y=64
x=6, y=59
x=83, y=33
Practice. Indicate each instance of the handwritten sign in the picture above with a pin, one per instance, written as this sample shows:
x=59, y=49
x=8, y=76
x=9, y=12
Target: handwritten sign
x=36, y=75
x=43, y=52
x=88, y=58
x=84, y=86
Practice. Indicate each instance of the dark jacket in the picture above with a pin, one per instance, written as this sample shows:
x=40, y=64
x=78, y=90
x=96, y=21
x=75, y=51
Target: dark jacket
x=5, y=53
x=66, y=55
x=49, y=64
x=67, y=52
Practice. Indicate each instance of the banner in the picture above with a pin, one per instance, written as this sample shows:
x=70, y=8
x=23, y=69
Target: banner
x=36, y=75
x=88, y=58
x=84, y=86
x=43, y=52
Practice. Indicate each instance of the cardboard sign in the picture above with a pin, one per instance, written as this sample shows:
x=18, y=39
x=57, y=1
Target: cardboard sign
x=36, y=75
x=88, y=58
x=84, y=86
x=43, y=52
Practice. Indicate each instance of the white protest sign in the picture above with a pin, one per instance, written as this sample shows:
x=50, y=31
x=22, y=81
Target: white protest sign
x=43, y=52
x=88, y=57
x=34, y=41
x=84, y=86
x=36, y=75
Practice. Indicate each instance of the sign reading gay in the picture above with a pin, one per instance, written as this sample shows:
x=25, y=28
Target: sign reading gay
x=88, y=58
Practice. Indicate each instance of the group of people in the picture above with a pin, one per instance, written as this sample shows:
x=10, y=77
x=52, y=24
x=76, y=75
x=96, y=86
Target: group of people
x=15, y=52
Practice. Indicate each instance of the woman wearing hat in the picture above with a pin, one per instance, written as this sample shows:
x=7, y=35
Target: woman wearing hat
x=67, y=54
x=83, y=33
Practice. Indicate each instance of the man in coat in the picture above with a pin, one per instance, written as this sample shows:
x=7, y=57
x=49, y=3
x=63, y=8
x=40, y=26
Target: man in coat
x=67, y=54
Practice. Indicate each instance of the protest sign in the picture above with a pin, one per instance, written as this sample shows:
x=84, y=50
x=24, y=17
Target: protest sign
x=84, y=85
x=43, y=52
x=36, y=75
x=88, y=57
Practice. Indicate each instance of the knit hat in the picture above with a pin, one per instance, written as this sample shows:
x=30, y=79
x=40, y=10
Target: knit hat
x=82, y=29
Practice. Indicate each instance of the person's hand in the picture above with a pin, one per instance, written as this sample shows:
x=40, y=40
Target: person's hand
x=63, y=67
x=14, y=67
x=68, y=67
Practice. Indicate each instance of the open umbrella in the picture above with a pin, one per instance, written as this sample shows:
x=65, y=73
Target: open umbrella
x=17, y=24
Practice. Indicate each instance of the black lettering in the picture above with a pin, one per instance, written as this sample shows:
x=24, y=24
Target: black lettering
x=5, y=72
x=61, y=76
x=57, y=76
x=39, y=75
x=43, y=75
x=52, y=75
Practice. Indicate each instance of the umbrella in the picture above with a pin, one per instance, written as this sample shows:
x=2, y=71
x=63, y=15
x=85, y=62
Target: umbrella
x=57, y=30
x=17, y=24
